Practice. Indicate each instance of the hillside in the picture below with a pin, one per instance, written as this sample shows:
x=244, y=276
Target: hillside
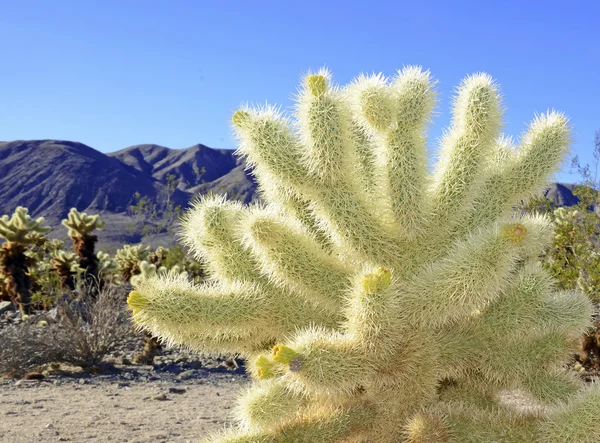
x=195, y=165
x=50, y=177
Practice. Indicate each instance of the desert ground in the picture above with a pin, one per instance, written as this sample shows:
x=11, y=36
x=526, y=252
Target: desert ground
x=136, y=409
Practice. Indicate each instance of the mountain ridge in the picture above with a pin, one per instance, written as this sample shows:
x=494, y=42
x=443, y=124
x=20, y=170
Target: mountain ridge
x=49, y=177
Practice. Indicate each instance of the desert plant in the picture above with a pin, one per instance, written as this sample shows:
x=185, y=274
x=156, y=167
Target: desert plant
x=376, y=301
x=85, y=332
x=128, y=260
x=66, y=265
x=152, y=346
x=80, y=227
x=19, y=230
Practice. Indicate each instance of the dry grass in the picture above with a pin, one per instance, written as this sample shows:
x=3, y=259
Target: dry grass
x=81, y=333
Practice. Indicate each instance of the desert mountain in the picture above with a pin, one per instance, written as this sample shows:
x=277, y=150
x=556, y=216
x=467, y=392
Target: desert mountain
x=193, y=166
x=50, y=176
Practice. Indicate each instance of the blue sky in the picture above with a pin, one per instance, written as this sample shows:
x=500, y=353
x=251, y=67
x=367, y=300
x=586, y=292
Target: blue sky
x=112, y=74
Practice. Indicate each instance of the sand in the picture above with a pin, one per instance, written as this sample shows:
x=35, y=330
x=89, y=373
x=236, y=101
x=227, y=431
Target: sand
x=136, y=412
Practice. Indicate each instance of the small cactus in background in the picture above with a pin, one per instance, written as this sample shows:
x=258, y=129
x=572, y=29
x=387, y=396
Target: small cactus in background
x=66, y=265
x=20, y=231
x=106, y=265
x=80, y=227
x=128, y=260
x=374, y=300
x=149, y=270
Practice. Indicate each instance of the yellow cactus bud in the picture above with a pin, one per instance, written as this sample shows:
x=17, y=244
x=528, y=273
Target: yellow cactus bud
x=384, y=278
x=136, y=301
x=240, y=117
x=426, y=430
x=283, y=354
x=369, y=283
x=264, y=367
x=377, y=282
x=317, y=85
x=515, y=233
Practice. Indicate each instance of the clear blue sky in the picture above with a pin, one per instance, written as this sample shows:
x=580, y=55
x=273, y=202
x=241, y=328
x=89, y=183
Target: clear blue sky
x=115, y=73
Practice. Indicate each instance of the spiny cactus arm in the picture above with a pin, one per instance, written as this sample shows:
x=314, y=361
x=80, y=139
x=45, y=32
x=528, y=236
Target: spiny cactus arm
x=507, y=365
x=79, y=223
x=20, y=225
x=531, y=306
x=467, y=279
x=175, y=303
x=395, y=115
x=541, y=152
x=268, y=403
x=575, y=421
x=552, y=386
x=325, y=129
x=366, y=159
x=293, y=204
x=370, y=314
x=342, y=210
x=319, y=425
x=465, y=149
x=467, y=423
x=291, y=258
x=355, y=225
x=211, y=230
x=322, y=362
x=236, y=313
x=271, y=149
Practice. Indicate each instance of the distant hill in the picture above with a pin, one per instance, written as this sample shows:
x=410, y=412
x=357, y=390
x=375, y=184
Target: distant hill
x=49, y=177
x=193, y=166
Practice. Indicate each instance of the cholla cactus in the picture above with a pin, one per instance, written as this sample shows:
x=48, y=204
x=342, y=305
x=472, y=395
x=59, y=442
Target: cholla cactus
x=80, y=227
x=152, y=346
x=376, y=301
x=20, y=231
x=105, y=265
x=67, y=266
x=149, y=271
x=128, y=260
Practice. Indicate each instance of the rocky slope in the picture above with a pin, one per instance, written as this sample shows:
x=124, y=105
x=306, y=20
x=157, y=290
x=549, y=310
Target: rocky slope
x=51, y=176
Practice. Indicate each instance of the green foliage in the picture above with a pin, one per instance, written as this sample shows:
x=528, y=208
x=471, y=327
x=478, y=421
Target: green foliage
x=159, y=214
x=374, y=300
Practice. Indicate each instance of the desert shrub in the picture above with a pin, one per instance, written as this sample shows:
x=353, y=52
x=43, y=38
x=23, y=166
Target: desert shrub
x=82, y=333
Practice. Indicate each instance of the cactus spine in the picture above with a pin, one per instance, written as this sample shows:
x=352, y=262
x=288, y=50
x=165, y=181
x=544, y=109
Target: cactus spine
x=20, y=231
x=376, y=301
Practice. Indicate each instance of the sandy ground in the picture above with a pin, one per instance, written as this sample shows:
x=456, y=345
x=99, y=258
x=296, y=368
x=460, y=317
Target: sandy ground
x=39, y=411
